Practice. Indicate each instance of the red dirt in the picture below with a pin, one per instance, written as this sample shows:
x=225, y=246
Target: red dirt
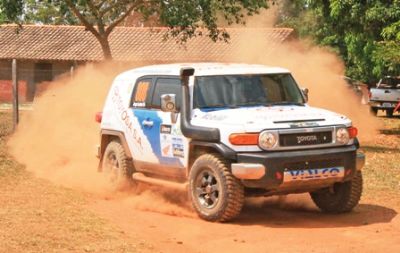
x=57, y=141
x=291, y=224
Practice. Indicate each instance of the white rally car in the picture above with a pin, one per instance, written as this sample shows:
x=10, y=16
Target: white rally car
x=226, y=131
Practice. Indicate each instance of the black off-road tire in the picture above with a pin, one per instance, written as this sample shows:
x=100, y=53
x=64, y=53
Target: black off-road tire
x=374, y=111
x=389, y=113
x=117, y=166
x=211, y=172
x=343, y=197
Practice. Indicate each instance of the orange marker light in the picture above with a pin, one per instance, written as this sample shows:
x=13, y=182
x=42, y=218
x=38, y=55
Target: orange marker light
x=98, y=117
x=244, y=139
x=352, y=132
x=278, y=175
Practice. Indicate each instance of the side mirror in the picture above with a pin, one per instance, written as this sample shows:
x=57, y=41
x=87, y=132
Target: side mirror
x=168, y=103
x=305, y=93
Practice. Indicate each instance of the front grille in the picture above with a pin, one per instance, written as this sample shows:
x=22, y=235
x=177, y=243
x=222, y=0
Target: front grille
x=304, y=139
x=318, y=164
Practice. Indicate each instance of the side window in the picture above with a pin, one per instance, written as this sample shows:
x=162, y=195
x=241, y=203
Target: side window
x=166, y=86
x=141, y=92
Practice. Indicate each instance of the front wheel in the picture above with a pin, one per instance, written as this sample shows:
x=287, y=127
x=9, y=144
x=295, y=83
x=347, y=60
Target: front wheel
x=215, y=193
x=341, y=197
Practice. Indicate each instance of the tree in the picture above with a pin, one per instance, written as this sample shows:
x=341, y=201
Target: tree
x=10, y=10
x=366, y=34
x=185, y=18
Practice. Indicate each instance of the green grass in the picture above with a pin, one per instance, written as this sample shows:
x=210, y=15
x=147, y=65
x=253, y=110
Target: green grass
x=38, y=216
x=382, y=171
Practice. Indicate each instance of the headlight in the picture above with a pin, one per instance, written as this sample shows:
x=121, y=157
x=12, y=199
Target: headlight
x=342, y=136
x=267, y=140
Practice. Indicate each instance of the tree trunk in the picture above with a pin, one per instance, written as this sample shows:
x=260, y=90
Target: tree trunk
x=105, y=46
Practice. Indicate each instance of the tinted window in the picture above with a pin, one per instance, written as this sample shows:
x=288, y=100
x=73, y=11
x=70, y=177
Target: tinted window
x=390, y=82
x=166, y=86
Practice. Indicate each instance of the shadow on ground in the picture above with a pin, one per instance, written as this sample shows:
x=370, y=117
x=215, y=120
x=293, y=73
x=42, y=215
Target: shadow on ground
x=292, y=211
x=297, y=215
x=395, y=131
x=380, y=149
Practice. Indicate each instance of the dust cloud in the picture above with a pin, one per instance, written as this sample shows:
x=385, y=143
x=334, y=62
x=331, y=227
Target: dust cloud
x=316, y=68
x=58, y=139
x=319, y=70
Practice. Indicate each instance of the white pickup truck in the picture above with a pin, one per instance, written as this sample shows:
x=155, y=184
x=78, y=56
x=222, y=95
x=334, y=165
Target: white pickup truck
x=385, y=96
x=226, y=131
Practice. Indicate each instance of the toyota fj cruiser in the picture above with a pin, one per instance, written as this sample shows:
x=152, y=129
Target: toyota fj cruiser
x=226, y=131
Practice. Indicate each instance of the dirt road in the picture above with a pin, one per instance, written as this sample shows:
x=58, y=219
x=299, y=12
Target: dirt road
x=293, y=224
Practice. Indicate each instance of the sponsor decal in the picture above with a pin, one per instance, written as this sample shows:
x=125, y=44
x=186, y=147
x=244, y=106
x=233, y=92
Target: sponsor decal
x=172, y=146
x=139, y=104
x=139, y=99
x=141, y=91
x=166, y=145
x=125, y=117
x=304, y=124
x=309, y=174
x=177, y=147
x=165, y=129
x=215, y=117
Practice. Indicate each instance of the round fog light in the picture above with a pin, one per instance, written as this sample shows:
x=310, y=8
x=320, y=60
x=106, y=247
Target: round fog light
x=267, y=140
x=342, y=136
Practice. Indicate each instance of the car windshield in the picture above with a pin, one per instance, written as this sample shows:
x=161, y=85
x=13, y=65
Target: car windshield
x=232, y=91
x=390, y=82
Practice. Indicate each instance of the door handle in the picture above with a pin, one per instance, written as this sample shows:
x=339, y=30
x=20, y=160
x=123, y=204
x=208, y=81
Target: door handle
x=147, y=123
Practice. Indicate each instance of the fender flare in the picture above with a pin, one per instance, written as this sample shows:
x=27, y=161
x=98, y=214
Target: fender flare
x=222, y=149
x=106, y=135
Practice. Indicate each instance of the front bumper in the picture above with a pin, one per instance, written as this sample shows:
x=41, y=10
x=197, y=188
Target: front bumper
x=266, y=170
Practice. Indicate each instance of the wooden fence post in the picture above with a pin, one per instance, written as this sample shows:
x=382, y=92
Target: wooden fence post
x=15, y=93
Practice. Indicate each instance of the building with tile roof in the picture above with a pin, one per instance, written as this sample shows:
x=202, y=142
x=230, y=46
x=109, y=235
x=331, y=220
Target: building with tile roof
x=45, y=51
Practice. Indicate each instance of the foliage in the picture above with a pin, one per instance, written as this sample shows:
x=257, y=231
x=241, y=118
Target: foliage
x=10, y=10
x=366, y=34
x=185, y=18
x=46, y=12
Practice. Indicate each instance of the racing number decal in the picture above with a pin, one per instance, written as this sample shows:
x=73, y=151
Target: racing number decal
x=141, y=92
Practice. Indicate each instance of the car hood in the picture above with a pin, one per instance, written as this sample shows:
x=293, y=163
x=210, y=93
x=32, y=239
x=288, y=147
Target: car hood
x=254, y=119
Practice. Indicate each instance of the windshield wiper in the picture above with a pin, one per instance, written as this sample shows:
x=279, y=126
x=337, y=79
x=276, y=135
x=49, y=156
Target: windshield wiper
x=286, y=103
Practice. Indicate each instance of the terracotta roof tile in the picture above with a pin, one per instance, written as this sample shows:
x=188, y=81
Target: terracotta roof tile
x=44, y=42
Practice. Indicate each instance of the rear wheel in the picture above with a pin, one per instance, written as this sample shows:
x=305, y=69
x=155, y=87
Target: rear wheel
x=215, y=193
x=341, y=197
x=373, y=111
x=389, y=112
x=117, y=166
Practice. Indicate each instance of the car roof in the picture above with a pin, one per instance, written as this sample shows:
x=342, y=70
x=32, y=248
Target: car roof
x=206, y=69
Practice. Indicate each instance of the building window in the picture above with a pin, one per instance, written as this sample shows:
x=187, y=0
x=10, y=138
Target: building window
x=43, y=72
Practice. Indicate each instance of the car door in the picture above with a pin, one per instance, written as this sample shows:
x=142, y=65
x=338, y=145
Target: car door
x=166, y=148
